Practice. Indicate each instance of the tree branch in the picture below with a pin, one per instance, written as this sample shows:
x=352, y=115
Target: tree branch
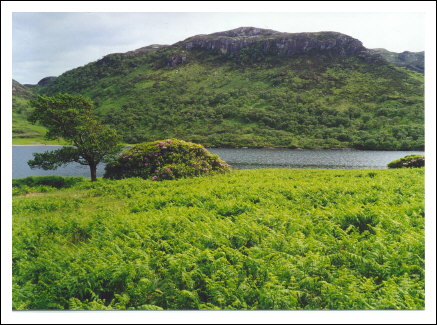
x=50, y=160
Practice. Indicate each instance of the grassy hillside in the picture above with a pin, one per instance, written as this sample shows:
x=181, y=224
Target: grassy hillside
x=254, y=99
x=253, y=239
x=24, y=132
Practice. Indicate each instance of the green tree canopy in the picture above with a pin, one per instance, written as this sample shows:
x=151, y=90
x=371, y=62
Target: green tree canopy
x=72, y=118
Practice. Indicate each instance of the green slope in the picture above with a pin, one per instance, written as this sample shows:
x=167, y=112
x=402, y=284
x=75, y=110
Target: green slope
x=24, y=132
x=254, y=97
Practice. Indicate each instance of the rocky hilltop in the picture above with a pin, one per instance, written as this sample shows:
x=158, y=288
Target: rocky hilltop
x=231, y=41
x=147, y=49
x=46, y=81
x=42, y=83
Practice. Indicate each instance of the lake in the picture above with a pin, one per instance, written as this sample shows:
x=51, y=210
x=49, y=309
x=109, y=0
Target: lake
x=237, y=158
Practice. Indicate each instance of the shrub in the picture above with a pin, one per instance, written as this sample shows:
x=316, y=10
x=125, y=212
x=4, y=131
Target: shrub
x=42, y=184
x=165, y=159
x=410, y=161
x=53, y=181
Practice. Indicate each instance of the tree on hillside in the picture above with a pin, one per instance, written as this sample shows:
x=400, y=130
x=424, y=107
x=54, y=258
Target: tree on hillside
x=71, y=117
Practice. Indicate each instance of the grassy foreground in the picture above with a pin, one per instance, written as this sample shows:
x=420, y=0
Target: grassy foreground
x=253, y=239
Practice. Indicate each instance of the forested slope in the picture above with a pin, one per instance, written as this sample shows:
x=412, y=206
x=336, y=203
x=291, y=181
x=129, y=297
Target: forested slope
x=255, y=88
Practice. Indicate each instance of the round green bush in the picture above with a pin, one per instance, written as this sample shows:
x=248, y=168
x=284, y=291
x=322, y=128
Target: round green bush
x=410, y=161
x=165, y=159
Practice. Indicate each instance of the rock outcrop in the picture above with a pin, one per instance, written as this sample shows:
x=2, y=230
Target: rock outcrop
x=274, y=42
x=175, y=60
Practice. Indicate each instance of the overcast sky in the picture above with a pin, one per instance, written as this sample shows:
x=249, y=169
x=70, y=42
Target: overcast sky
x=48, y=44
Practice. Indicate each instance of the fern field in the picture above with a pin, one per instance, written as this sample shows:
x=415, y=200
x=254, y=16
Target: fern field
x=250, y=239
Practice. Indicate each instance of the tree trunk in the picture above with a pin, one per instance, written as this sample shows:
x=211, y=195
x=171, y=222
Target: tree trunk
x=93, y=169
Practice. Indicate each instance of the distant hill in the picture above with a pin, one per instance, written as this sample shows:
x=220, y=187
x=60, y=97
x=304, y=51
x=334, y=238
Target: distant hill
x=252, y=87
x=43, y=82
x=22, y=130
x=20, y=98
x=20, y=90
x=411, y=60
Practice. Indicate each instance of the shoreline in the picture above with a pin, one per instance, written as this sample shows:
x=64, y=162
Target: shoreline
x=244, y=148
x=38, y=145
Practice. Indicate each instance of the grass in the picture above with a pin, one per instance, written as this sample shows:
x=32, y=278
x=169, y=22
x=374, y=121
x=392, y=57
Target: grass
x=252, y=239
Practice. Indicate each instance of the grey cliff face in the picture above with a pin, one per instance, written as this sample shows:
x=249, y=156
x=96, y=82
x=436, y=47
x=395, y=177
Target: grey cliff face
x=232, y=41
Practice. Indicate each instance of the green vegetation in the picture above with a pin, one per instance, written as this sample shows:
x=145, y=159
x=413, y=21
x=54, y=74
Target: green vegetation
x=21, y=128
x=411, y=60
x=72, y=118
x=253, y=239
x=254, y=99
x=410, y=161
x=24, y=132
x=165, y=159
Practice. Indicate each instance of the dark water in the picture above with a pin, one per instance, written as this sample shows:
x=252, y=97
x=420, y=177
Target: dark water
x=237, y=158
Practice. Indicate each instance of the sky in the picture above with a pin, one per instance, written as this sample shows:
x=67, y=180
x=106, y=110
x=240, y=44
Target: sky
x=50, y=43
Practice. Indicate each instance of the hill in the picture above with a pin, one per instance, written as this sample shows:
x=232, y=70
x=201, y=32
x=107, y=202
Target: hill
x=21, y=128
x=24, y=132
x=255, y=88
x=411, y=60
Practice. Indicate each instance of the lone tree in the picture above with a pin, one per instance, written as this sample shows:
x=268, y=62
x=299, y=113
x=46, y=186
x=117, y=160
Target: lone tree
x=71, y=118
